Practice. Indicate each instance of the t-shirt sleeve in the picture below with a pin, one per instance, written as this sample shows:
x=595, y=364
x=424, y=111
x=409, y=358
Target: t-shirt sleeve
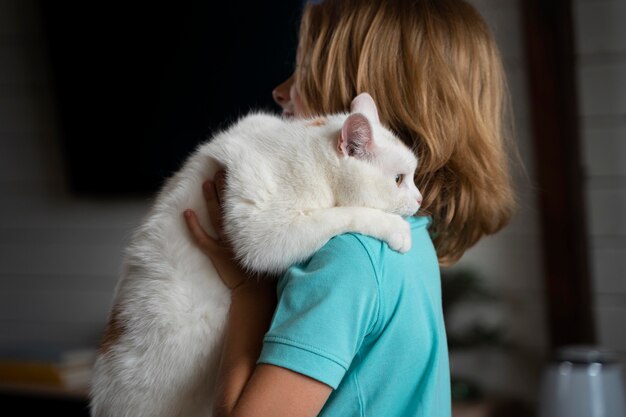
x=325, y=309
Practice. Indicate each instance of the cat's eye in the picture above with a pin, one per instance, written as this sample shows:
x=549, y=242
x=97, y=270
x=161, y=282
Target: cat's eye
x=399, y=179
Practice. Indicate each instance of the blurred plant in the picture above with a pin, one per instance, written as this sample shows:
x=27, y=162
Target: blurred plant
x=460, y=286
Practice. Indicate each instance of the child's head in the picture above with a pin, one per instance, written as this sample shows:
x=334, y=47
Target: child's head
x=435, y=72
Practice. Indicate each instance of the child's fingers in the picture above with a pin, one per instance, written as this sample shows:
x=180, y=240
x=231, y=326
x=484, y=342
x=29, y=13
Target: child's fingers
x=206, y=242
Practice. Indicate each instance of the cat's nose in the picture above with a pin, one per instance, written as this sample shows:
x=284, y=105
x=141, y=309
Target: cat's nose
x=419, y=200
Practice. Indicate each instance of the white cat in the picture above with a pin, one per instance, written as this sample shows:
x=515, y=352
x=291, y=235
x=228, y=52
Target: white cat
x=291, y=186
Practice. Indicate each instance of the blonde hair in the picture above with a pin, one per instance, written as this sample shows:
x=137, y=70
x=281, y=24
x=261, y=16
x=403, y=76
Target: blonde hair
x=435, y=72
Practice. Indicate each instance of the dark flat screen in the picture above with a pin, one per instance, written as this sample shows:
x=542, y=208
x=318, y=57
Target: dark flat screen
x=138, y=86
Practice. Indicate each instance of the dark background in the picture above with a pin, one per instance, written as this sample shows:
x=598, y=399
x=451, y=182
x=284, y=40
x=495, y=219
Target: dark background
x=137, y=87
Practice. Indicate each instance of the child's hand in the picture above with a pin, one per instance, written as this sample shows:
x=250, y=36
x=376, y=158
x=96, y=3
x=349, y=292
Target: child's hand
x=217, y=250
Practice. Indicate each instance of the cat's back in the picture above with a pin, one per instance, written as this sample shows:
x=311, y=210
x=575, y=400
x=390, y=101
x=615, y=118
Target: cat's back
x=267, y=137
x=249, y=130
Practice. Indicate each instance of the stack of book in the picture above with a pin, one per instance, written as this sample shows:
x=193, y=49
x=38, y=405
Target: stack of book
x=64, y=370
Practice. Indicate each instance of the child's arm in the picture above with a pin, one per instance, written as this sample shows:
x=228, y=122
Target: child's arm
x=275, y=391
x=264, y=390
x=246, y=389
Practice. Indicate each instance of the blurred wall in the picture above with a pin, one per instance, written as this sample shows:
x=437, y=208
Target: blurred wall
x=59, y=255
x=601, y=48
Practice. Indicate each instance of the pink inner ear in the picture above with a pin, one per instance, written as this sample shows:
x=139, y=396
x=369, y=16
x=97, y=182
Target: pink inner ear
x=364, y=103
x=356, y=137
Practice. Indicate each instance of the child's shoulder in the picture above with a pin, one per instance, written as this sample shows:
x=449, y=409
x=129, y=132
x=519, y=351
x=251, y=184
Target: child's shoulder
x=378, y=249
x=342, y=268
x=349, y=250
x=353, y=256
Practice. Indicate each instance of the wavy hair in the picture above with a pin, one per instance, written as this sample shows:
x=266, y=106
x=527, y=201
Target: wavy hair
x=435, y=72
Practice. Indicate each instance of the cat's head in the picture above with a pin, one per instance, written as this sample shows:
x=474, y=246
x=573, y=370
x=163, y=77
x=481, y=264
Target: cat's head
x=381, y=166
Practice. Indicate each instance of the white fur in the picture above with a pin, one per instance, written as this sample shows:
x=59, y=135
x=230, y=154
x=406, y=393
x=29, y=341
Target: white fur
x=290, y=189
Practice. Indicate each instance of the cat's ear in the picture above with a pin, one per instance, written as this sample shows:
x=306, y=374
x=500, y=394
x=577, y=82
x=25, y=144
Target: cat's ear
x=356, y=137
x=364, y=103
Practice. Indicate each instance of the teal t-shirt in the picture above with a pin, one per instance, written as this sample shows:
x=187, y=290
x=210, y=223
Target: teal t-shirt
x=367, y=321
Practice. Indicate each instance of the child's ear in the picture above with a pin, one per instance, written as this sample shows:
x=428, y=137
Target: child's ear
x=364, y=103
x=356, y=137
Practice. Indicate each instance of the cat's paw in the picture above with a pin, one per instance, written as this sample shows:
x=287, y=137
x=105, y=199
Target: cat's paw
x=400, y=237
x=400, y=242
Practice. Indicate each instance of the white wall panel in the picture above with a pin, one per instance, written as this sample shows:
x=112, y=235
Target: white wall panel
x=37, y=335
x=603, y=89
x=601, y=41
x=60, y=306
x=85, y=259
x=610, y=320
x=600, y=27
x=609, y=270
x=607, y=210
x=605, y=151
